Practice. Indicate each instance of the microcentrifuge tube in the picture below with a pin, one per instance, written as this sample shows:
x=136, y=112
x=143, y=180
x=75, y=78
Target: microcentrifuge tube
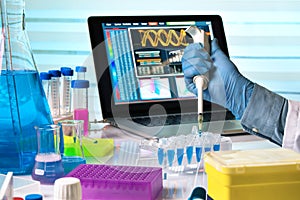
x=171, y=155
x=207, y=141
x=207, y=148
x=198, y=153
x=217, y=141
x=189, y=141
x=180, y=140
x=180, y=152
x=189, y=154
x=160, y=155
x=199, y=148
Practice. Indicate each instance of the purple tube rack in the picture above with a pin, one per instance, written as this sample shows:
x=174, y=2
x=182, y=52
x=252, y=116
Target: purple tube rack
x=119, y=182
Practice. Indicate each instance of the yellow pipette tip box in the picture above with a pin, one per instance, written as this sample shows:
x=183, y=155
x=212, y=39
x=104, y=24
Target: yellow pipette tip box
x=253, y=174
x=97, y=150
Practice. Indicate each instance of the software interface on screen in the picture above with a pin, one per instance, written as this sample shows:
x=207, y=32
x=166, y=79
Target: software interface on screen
x=145, y=59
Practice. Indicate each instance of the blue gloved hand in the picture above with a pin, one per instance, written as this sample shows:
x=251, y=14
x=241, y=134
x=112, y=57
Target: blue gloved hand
x=226, y=86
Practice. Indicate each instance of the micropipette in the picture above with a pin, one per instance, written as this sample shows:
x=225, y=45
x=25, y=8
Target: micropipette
x=201, y=84
x=201, y=81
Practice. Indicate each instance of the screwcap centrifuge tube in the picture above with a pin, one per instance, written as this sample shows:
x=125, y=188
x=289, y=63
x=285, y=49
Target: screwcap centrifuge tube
x=80, y=100
x=55, y=92
x=45, y=78
x=66, y=92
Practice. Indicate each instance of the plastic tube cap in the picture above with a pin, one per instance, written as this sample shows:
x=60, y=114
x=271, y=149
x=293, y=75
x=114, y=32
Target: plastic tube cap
x=45, y=76
x=17, y=198
x=34, y=197
x=67, y=72
x=67, y=188
x=55, y=73
x=80, y=84
x=64, y=68
x=80, y=69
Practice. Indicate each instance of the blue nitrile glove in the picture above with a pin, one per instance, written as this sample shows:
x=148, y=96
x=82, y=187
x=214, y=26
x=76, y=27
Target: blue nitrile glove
x=226, y=86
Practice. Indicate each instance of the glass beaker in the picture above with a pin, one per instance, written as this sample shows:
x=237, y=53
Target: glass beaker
x=48, y=163
x=23, y=103
x=72, y=150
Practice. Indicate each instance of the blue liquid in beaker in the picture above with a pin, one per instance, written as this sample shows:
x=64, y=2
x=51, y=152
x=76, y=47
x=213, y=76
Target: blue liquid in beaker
x=47, y=168
x=71, y=162
x=23, y=105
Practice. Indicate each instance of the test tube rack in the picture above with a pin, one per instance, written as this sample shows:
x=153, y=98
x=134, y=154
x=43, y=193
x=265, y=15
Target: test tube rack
x=187, y=150
x=119, y=182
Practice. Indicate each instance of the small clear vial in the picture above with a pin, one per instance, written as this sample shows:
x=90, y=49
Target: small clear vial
x=66, y=92
x=80, y=102
x=80, y=71
x=55, y=92
x=45, y=78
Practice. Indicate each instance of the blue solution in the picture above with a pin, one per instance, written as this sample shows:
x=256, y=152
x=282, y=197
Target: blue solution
x=171, y=156
x=207, y=149
x=189, y=154
x=47, y=168
x=71, y=162
x=160, y=155
x=198, y=153
x=180, y=152
x=23, y=105
x=216, y=147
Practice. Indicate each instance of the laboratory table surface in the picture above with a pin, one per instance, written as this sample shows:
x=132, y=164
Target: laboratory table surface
x=175, y=185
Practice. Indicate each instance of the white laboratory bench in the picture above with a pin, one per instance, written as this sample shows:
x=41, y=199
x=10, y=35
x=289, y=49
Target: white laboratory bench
x=176, y=186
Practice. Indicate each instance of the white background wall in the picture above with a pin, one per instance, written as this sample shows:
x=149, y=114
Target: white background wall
x=263, y=36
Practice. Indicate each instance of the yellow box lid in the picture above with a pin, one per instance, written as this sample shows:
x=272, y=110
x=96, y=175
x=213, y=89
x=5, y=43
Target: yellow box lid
x=253, y=161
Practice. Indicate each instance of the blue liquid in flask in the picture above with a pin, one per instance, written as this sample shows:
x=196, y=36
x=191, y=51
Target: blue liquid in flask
x=23, y=105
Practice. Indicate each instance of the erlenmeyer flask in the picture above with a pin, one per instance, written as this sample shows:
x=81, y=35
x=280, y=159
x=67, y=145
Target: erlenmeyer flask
x=23, y=104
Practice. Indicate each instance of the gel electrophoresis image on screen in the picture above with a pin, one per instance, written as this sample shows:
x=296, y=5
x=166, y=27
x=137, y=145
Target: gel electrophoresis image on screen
x=145, y=59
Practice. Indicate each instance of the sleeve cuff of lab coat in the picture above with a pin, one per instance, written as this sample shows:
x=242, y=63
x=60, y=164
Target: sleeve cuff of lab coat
x=291, y=138
x=262, y=116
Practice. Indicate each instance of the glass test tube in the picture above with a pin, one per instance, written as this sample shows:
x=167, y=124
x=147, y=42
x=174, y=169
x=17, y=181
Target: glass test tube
x=55, y=92
x=80, y=100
